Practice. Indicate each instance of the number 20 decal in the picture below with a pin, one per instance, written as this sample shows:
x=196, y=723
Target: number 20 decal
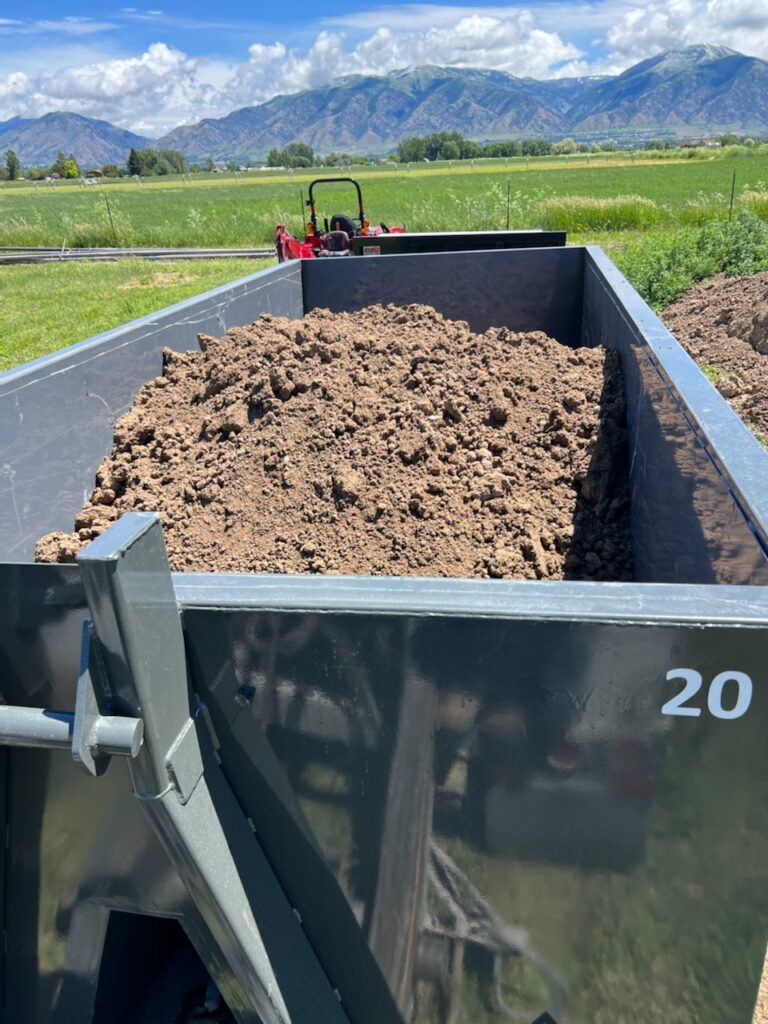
x=678, y=705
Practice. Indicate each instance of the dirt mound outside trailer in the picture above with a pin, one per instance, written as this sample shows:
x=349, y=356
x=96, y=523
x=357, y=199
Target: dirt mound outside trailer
x=386, y=442
x=723, y=324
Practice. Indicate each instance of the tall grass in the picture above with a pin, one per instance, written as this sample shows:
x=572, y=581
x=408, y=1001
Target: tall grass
x=756, y=201
x=586, y=213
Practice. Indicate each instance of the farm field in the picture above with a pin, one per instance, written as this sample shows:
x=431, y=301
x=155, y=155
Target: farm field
x=224, y=210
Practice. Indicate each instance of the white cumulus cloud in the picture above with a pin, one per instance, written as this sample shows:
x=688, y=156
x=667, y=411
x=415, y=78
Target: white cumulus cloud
x=643, y=31
x=153, y=91
x=507, y=41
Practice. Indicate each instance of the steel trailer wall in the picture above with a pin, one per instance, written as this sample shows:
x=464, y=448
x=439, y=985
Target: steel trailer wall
x=57, y=413
x=81, y=849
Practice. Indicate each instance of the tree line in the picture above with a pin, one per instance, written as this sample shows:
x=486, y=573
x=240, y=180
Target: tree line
x=301, y=154
x=62, y=167
x=454, y=146
x=149, y=161
x=417, y=149
x=142, y=162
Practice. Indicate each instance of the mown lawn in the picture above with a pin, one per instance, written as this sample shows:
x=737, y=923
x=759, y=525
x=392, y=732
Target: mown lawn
x=44, y=307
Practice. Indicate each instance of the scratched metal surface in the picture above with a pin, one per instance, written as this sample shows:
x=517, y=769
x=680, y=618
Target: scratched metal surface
x=57, y=414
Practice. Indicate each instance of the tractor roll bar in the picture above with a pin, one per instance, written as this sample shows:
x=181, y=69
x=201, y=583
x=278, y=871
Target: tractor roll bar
x=328, y=181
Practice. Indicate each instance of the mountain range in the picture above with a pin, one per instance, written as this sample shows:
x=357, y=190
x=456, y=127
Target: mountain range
x=37, y=140
x=699, y=90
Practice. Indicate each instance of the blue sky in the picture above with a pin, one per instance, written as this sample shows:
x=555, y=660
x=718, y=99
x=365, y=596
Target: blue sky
x=152, y=66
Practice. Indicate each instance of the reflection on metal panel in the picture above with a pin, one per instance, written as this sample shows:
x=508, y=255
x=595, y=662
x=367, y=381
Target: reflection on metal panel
x=493, y=802
x=57, y=414
x=527, y=290
x=506, y=811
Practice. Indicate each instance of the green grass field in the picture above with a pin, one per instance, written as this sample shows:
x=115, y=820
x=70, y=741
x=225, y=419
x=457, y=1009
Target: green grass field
x=223, y=211
x=43, y=308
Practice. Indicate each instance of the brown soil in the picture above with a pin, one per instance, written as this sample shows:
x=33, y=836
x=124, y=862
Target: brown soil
x=761, y=1010
x=384, y=442
x=723, y=324
x=161, y=277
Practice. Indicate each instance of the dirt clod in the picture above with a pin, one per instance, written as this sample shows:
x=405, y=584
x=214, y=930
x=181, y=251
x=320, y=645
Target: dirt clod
x=723, y=324
x=388, y=442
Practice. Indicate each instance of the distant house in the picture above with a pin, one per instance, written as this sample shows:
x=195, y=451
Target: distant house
x=700, y=144
x=95, y=173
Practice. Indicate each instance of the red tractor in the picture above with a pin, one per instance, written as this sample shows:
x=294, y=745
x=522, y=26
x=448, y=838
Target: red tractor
x=338, y=234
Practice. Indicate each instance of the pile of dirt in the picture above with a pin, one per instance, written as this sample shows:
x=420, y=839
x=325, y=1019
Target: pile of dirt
x=387, y=442
x=723, y=324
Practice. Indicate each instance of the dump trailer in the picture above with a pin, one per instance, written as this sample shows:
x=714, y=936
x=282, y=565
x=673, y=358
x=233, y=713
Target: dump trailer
x=296, y=798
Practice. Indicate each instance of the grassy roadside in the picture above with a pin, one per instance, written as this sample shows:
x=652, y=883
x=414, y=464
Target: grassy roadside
x=46, y=307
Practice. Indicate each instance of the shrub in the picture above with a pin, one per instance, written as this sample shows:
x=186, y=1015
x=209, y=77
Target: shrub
x=663, y=268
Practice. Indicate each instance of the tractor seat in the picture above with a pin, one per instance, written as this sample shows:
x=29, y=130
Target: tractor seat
x=341, y=222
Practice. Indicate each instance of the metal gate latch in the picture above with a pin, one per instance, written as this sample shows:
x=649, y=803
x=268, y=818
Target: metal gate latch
x=92, y=737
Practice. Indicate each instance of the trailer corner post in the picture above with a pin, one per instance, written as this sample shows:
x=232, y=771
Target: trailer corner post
x=253, y=945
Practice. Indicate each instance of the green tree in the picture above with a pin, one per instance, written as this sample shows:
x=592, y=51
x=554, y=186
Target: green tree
x=298, y=154
x=536, y=147
x=295, y=154
x=450, y=150
x=411, y=150
x=133, y=162
x=111, y=171
x=156, y=161
x=469, y=149
x=209, y=165
x=511, y=148
x=565, y=146
x=71, y=170
x=59, y=165
x=12, y=165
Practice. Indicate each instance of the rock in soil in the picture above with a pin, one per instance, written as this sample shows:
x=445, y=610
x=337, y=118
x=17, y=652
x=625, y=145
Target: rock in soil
x=385, y=442
x=723, y=324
